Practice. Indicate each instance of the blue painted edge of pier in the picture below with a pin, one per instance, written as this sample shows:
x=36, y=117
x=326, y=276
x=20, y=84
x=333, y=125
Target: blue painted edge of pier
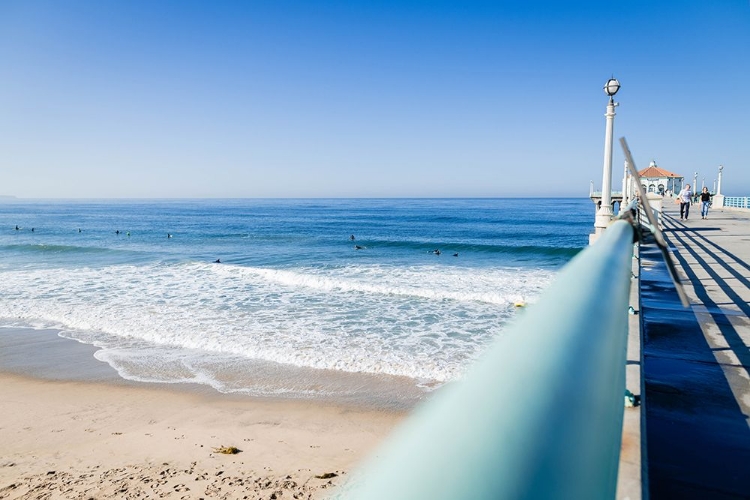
x=696, y=440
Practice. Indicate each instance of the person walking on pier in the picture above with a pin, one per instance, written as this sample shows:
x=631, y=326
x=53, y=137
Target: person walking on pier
x=705, y=202
x=685, y=197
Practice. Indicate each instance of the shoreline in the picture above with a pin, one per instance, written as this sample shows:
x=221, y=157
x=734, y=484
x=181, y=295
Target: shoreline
x=48, y=354
x=44, y=354
x=74, y=429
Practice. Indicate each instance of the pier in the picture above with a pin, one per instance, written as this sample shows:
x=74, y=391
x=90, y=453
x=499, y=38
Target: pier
x=695, y=364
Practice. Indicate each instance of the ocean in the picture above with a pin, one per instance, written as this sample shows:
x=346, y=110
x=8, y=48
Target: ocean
x=340, y=299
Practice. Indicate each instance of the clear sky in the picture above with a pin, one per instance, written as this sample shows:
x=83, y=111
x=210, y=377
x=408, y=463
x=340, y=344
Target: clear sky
x=399, y=98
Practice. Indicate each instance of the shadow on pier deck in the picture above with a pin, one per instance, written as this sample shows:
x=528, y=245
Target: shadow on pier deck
x=696, y=361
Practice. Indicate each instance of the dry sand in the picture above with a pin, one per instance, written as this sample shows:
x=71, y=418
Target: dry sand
x=107, y=439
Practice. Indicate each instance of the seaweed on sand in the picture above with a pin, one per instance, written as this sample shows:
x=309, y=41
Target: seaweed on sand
x=227, y=450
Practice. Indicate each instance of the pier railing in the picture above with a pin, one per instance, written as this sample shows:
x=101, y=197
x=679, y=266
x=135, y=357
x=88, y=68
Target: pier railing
x=540, y=415
x=737, y=201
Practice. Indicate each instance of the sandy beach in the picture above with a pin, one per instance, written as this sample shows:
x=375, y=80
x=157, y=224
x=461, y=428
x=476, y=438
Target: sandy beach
x=70, y=428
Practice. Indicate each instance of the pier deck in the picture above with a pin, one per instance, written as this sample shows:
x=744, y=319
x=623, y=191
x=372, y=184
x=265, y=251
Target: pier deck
x=696, y=361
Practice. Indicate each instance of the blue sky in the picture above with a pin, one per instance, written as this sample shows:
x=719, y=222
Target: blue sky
x=365, y=99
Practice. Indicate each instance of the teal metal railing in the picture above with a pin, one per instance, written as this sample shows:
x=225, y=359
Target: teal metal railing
x=540, y=415
x=737, y=201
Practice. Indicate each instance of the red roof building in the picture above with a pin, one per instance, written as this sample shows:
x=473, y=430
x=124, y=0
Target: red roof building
x=658, y=180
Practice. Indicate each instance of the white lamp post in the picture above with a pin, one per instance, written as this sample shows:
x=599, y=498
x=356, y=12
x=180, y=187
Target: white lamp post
x=695, y=182
x=604, y=214
x=714, y=185
x=625, y=194
x=718, y=186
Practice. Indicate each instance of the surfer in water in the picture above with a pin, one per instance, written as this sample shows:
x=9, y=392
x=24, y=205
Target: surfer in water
x=217, y=261
x=169, y=235
x=357, y=247
x=351, y=237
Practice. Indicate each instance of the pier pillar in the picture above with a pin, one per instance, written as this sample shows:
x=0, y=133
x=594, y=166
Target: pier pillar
x=656, y=201
x=625, y=193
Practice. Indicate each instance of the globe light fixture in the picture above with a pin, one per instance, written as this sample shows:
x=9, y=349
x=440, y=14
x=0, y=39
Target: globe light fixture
x=611, y=87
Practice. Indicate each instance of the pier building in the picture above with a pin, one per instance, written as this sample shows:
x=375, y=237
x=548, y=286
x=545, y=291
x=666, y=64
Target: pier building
x=655, y=179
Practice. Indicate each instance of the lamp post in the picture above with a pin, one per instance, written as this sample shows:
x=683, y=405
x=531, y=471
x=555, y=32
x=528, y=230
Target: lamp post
x=714, y=185
x=625, y=194
x=718, y=186
x=604, y=214
x=695, y=182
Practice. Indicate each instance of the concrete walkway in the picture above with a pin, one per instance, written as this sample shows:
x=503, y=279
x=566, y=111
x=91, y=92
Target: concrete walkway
x=696, y=361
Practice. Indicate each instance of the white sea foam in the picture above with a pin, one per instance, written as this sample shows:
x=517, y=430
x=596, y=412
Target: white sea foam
x=422, y=322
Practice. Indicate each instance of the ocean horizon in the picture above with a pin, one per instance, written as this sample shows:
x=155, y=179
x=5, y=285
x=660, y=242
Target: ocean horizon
x=349, y=299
